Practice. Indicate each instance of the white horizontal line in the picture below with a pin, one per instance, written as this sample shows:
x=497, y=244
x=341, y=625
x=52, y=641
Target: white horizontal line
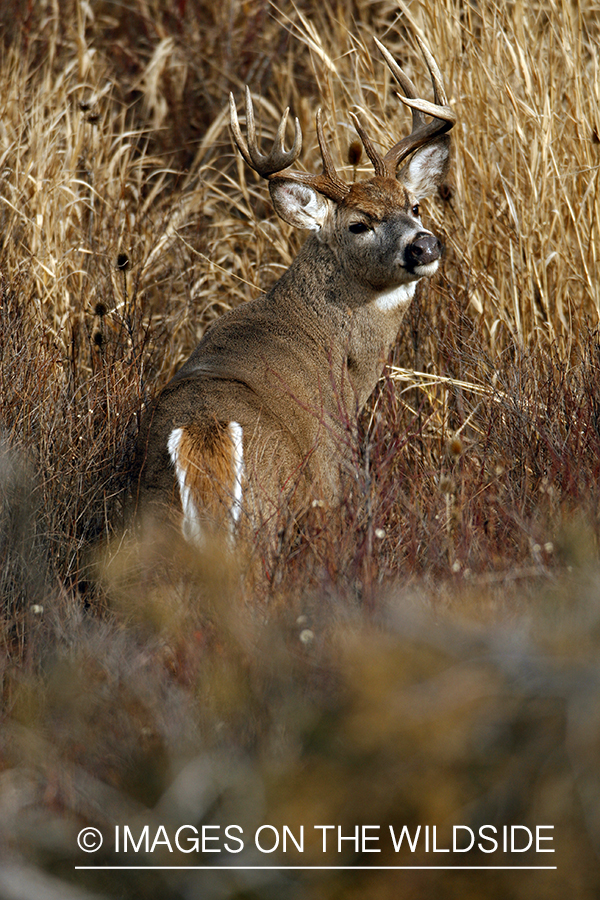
x=339, y=868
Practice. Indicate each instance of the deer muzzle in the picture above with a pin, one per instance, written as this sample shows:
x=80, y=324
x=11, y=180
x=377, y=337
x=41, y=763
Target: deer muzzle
x=423, y=250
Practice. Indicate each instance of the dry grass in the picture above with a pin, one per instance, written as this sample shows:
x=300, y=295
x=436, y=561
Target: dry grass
x=430, y=655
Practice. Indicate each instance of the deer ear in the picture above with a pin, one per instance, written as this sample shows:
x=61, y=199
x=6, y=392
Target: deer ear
x=298, y=204
x=427, y=168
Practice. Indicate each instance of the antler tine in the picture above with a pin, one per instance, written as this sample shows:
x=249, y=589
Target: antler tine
x=329, y=176
x=405, y=83
x=443, y=117
x=279, y=158
x=372, y=153
x=237, y=132
x=439, y=92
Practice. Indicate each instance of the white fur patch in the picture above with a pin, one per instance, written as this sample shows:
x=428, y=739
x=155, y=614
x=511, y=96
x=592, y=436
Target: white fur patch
x=395, y=297
x=237, y=434
x=428, y=269
x=190, y=525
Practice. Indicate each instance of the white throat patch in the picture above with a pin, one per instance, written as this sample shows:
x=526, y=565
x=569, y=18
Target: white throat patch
x=395, y=297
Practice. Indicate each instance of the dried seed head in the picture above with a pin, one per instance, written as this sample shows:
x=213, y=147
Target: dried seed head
x=446, y=485
x=354, y=153
x=455, y=447
x=98, y=338
x=122, y=262
x=100, y=309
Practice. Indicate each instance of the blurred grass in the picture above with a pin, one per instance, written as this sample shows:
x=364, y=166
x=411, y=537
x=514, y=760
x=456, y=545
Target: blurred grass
x=430, y=654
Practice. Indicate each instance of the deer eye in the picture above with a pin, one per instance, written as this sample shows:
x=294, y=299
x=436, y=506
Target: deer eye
x=358, y=228
x=415, y=210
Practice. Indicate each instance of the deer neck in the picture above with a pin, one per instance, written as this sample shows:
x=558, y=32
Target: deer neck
x=355, y=323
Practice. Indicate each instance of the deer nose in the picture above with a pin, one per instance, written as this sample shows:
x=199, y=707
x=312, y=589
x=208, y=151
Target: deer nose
x=424, y=249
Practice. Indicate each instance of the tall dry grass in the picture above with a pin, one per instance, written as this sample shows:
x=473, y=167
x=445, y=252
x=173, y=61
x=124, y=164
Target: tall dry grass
x=430, y=654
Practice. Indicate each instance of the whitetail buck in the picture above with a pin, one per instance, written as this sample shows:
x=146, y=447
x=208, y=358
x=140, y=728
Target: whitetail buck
x=258, y=417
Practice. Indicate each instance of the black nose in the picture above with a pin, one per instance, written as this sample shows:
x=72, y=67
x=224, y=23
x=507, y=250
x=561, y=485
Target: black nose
x=425, y=248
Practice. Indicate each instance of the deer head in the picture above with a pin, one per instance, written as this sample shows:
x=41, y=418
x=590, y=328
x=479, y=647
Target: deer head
x=374, y=226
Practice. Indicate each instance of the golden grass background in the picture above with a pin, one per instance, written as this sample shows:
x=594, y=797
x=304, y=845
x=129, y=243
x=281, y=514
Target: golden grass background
x=429, y=656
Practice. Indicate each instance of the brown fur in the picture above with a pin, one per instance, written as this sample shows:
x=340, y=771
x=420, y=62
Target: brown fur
x=385, y=196
x=207, y=457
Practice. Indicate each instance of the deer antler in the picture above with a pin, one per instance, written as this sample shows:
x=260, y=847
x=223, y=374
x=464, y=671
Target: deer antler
x=328, y=181
x=443, y=117
x=278, y=158
x=270, y=165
